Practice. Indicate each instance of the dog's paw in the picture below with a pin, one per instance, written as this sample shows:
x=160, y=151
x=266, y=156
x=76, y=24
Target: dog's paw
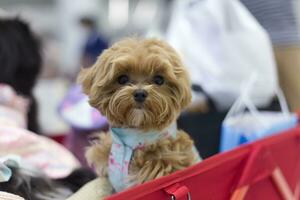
x=98, y=153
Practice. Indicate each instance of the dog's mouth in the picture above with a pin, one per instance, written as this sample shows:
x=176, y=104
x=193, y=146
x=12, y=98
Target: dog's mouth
x=139, y=107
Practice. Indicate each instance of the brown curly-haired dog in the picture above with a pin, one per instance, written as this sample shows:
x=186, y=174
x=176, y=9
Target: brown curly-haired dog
x=140, y=84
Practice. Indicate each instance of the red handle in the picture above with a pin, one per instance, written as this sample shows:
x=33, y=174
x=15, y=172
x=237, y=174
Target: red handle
x=178, y=192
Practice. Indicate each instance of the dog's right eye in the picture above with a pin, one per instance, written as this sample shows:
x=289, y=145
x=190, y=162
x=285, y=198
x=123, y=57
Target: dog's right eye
x=123, y=79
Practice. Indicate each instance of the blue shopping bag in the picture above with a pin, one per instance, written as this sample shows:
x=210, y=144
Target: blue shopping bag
x=233, y=134
x=244, y=123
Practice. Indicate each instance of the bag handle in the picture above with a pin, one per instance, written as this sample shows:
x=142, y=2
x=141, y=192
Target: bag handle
x=244, y=101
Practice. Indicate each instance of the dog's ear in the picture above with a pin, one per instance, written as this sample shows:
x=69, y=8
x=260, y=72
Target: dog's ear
x=186, y=94
x=85, y=79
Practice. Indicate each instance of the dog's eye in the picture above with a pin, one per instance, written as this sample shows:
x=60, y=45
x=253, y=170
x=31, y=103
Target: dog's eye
x=123, y=79
x=158, y=80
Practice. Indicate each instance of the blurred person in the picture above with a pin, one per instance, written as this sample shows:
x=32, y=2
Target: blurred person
x=21, y=61
x=28, y=162
x=15, y=139
x=94, y=44
x=278, y=17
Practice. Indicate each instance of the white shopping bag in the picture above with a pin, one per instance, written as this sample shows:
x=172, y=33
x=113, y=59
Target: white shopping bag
x=221, y=45
x=244, y=123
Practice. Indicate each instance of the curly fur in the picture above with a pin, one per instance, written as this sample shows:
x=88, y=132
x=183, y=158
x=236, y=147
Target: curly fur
x=141, y=60
x=162, y=158
x=97, y=154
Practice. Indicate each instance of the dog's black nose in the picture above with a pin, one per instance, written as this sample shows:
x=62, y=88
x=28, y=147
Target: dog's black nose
x=140, y=95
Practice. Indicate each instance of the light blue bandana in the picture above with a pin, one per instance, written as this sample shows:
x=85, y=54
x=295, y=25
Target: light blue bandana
x=124, y=142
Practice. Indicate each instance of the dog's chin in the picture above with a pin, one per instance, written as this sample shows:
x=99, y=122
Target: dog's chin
x=139, y=106
x=137, y=116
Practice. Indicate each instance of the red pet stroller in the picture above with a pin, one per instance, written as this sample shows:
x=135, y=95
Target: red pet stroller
x=268, y=169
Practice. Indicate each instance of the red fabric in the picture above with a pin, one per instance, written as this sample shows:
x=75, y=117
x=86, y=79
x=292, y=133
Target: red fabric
x=217, y=177
x=259, y=166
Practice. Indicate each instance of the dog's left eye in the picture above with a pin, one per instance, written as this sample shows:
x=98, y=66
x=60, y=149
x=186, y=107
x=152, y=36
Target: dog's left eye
x=158, y=80
x=123, y=79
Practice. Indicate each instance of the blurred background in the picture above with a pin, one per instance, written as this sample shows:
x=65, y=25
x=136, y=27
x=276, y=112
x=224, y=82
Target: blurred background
x=73, y=33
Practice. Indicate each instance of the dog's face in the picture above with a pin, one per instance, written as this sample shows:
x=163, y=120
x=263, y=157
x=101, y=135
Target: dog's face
x=137, y=84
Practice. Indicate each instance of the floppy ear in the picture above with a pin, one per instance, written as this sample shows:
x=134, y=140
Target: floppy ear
x=86, y=79
x=185, y=91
